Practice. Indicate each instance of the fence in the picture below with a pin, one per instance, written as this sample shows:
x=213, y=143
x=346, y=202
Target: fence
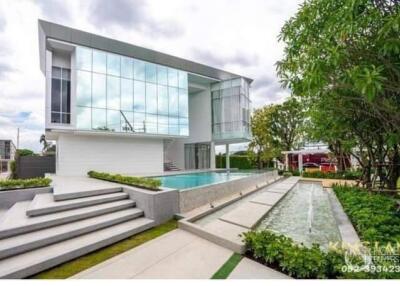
x=35, y=166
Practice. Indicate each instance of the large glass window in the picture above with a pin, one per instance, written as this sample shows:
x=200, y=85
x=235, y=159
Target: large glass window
x=113, y=93
x=83, y=58
x=99, y=97
x=99, y=61
x=113, y=64
x=84, y=88
x=60, y=95
x=151, y=98
x=121, y=94
x=126, y=67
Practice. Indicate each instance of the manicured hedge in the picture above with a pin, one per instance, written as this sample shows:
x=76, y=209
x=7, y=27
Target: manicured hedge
x=236, y=161
x=148, y=183
x=348, y=175
x=374, y=215
x=24, y=183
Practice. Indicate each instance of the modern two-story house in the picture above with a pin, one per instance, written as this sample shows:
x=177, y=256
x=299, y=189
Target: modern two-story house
x=116, y=107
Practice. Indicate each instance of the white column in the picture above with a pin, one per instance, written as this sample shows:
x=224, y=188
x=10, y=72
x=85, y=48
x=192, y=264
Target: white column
x=286, y=162
x=228, y=163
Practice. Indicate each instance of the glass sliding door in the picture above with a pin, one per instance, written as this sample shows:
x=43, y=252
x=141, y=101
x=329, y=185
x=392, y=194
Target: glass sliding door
x=197, y=156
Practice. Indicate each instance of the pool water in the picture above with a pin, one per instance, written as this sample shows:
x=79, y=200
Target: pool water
x=192, y=180
x=304, y=214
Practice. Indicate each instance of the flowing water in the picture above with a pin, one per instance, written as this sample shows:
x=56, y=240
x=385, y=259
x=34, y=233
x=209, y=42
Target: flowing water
x=305, y=215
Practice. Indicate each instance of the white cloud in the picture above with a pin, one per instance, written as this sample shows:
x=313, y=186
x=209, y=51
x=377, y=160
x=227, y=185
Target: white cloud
x=239, y=36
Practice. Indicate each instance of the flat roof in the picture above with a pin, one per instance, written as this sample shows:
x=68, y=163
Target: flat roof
x=49, y=30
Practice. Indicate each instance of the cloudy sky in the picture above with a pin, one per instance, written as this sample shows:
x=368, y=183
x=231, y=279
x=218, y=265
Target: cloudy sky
x=235, y=35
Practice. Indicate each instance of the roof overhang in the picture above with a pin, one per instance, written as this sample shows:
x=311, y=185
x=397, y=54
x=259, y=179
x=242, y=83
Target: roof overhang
x=48, y=30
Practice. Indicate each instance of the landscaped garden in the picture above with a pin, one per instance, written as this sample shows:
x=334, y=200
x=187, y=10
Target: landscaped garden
x=12, y=184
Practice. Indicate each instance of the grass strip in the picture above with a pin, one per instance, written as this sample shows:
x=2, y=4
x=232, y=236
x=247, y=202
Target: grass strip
x=84, y=262
x=228, y=267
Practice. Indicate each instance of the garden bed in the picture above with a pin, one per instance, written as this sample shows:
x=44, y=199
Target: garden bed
x=146, y=183
x=20, y=184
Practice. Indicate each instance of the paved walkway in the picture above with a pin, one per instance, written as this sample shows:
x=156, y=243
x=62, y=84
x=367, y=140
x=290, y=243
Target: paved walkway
x=249, y=269
x=176, y=255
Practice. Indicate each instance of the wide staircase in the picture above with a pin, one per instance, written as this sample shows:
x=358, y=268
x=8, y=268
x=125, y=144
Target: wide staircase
x=39, y=234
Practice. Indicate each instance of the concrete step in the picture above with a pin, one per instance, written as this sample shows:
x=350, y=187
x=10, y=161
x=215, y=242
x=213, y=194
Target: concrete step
x=45, y=204
x=28, y=241
x=32, y=262
x=68, y=195
x=17, y=222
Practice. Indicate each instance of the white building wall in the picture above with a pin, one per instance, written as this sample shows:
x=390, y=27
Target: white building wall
x=78, y=154
x=199, y=128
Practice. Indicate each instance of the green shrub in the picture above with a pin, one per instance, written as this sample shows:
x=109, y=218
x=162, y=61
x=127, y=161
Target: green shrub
x=24, y=183
x=295, y=172
x=24, y=152
x=348, y=175
x=287, y=174
x=374, y=215
x=299, y=261
x=148, y=183
x=236, y=161
x=13, y=169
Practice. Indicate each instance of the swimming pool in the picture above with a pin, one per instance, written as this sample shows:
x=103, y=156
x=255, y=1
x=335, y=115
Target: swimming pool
x=192, y=180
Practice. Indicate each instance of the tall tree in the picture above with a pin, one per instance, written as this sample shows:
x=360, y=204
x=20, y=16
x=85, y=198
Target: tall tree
x=342, y=57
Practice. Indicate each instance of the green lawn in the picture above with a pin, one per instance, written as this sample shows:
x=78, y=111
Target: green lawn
x=84, y=262
x=228, y=267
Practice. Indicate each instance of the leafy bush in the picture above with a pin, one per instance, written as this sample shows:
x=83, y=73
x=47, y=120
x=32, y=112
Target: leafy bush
x=299, y=261
x=295, y=172
x=287, y=174
x=348, y=175
x=24, y=183
x=148, y=183
x=13, y=169
x=25, y=152
x=373, y=215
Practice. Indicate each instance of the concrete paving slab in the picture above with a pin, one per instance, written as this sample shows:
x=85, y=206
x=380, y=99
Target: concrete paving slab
x=178, y=254
x=268, y=198
x=247, y=214
x=197, y=260
x=249, y=269
x=66, y=187
x=226, y=230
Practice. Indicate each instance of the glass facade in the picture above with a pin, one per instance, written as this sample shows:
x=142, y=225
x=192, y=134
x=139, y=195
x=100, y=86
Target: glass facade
x=197, y=156
x=231, y=109
x=60, y=95
x=122, y=94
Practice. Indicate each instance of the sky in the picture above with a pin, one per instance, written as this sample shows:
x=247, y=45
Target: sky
x=234, y=35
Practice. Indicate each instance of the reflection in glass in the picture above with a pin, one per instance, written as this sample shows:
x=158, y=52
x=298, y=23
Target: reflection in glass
x=126, y=94
x=114, y=120
x=151, y=73
x=139, y=119
x=139, y=100
x=113, y=92
x=173, y=101
x=162, y=124
x=151, y=123
x=139, y=68
x=84, y=88
x=183, y=80
x=83, y=58
x=113, y=64
x=99, y=119
x=151, y=98
x=99, y=61
x=126, y=67
x=83, y=118
x=183, y=103
x=162, y=75
x=172, y=77
x=162, y=101
x=127, y=121
x=99, y=91
x=173, y=125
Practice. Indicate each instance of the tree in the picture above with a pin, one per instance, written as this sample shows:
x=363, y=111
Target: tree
x=276, y=128
x=342, y=58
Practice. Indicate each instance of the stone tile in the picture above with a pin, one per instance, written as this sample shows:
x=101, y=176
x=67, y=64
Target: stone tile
x=268, y=198
x=249, y=269
x=247, y=214
x=197, y=260
x=226, y=230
